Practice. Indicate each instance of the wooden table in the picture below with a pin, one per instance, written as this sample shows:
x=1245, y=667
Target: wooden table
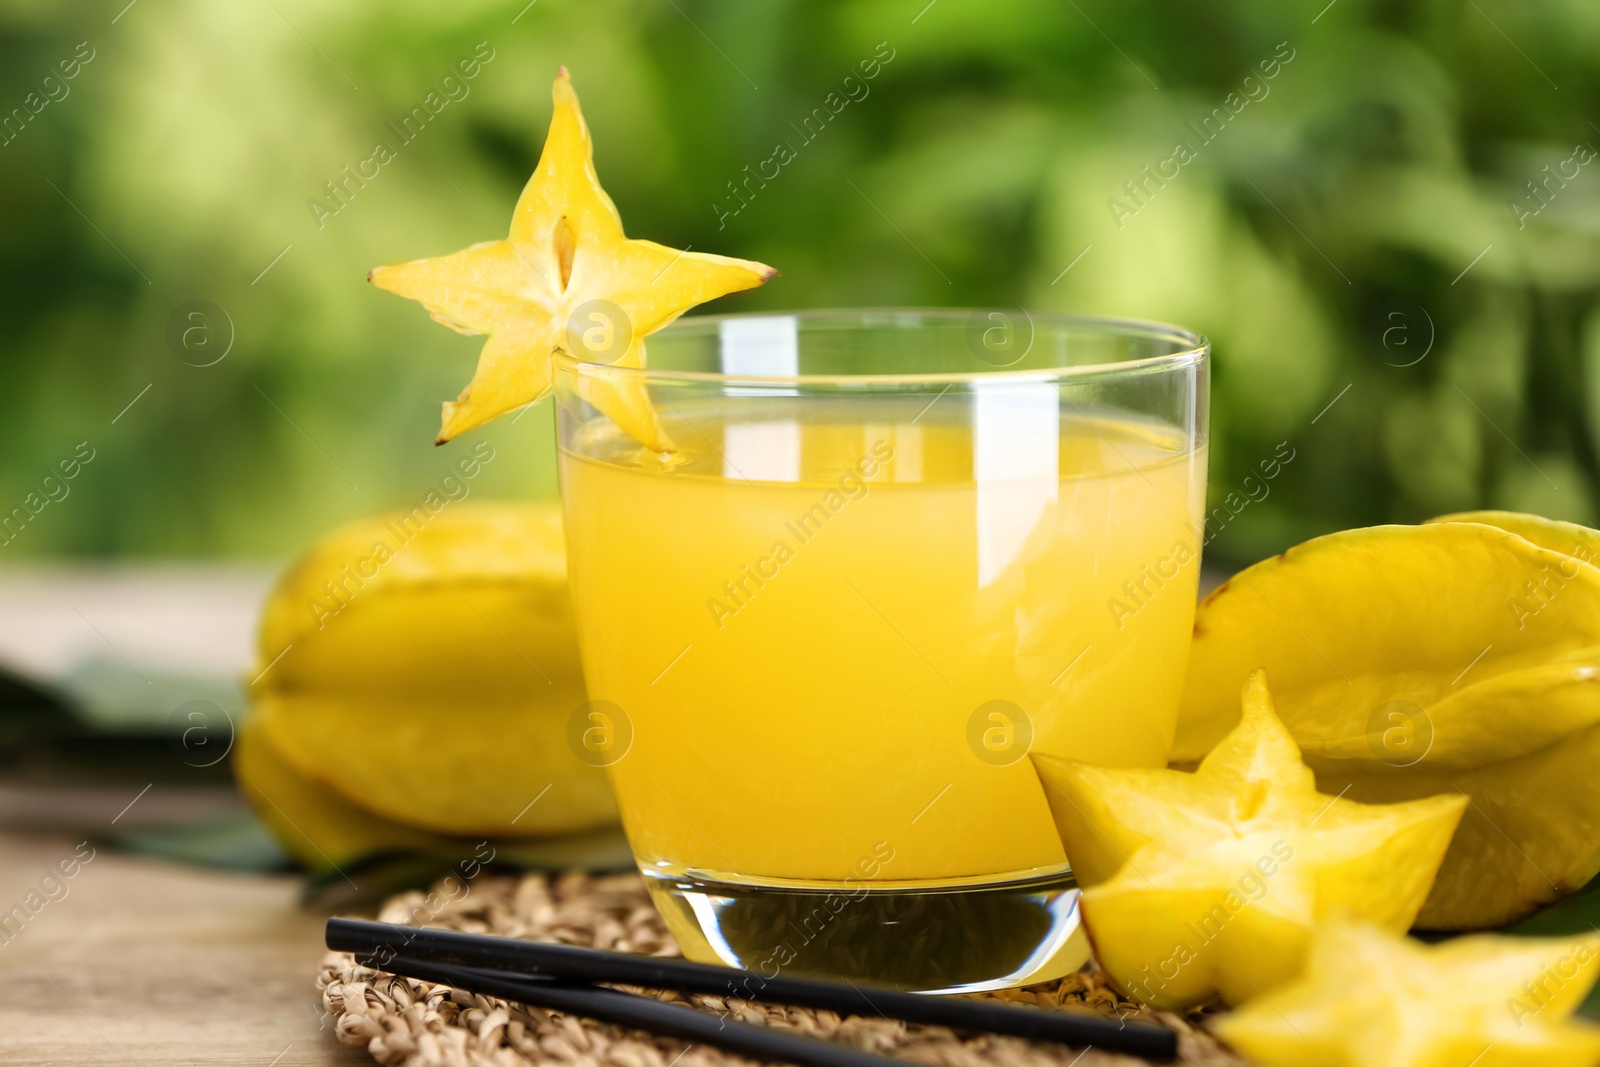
x=143, y=962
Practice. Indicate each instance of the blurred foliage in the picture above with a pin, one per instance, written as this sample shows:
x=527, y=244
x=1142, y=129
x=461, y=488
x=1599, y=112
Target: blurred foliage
x=1382, y=159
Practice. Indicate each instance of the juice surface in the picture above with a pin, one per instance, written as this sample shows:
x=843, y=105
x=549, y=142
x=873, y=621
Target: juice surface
x=833, y=625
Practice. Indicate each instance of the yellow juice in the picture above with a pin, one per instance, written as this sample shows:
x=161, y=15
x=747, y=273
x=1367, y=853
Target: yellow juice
x=835, y=630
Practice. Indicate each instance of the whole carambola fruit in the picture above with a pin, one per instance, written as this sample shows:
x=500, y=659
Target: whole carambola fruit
x=1460, y=657
x=425, y=667
x=325, y=832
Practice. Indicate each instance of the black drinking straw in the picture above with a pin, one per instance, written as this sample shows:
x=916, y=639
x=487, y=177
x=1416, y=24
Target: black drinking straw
x=644, y=1013
x=382, y=945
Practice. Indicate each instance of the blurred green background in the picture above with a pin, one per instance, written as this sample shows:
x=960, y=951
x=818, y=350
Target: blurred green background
x=1363, y=220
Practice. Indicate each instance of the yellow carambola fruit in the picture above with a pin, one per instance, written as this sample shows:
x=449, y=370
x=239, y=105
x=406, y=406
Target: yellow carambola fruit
x=314, y=824
x=1370, y=999
x=425, y=667
x=1210, y=882
x=565, y=280
x=1568, y=538
x=325, y=832
x=1456, y=657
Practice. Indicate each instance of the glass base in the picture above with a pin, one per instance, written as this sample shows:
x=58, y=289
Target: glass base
x=928, y=937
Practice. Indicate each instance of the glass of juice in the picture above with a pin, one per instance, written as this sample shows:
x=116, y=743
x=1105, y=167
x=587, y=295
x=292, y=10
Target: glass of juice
x=891, y=553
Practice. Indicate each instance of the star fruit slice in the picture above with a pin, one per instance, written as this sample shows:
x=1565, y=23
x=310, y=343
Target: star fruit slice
x=1210, y=882
x=1369, y=999
x=566, y=280
x=1453, y=657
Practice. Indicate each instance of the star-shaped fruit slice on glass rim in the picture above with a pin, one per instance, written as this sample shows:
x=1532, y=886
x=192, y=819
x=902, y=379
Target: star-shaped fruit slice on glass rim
x=566, y=280
x=1367, y=997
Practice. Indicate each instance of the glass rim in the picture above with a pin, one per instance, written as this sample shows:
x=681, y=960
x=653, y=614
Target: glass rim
x=1197, y=350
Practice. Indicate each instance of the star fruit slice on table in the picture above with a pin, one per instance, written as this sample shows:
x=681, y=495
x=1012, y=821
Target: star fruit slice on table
x=1370, y=999
x=565, y=280
x=1468, y=661
x=1206, y=883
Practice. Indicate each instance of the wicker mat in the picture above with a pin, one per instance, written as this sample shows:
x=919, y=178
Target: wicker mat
x=406, y=1022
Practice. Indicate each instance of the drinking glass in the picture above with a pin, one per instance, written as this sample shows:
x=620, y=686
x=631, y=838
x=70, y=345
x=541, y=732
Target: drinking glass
x=889, y=554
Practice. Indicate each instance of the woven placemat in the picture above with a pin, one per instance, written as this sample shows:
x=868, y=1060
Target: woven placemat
x=408, y=1023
